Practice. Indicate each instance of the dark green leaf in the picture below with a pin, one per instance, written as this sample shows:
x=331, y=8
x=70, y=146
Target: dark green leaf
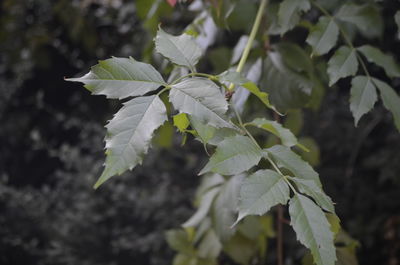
x=312, y=229
x=121, y=78
x=323, y=36
x=363, y=96
x=387, y=62
x=181, y=50
x=261, y=191
x=129, y=134
x=289, y=13
x=391, y=100
x=342, y=64
x=234, y=155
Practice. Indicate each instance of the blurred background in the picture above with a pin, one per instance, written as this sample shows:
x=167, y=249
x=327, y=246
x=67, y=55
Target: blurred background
x=51, y=143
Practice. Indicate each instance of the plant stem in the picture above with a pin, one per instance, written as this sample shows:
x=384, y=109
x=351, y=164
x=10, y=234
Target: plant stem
x=344, y=35
x=250, y=41
x=212, y=77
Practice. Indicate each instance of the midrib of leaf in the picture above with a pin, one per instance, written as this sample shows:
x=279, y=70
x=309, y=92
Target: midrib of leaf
x=325, y=35
x=348, y=57
x=363, y=94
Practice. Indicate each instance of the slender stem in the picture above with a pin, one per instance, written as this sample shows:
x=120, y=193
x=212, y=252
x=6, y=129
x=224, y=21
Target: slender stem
x=344, y=35
x=212, y=77
x=250, y=41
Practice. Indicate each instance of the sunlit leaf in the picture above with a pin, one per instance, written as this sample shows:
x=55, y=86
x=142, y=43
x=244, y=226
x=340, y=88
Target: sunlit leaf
x=121, y=78
x=312, y=229
x=129, y=134
x=363, y=96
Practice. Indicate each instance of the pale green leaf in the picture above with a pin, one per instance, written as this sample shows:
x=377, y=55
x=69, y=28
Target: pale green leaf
x=286, y=136
x=342, y=64
x=391, y=100
x=208, y=181
x=323, y=36
x=288, y=159
x=210, y=246
x=312, y=229
x=181, y=50
x=204, y=207
x=289, y=13
x=121, y=78
x=201, y=98
x=387, y=62
x=181, y=122
x=179, y=241
x=233, y=155
x=241, y=249
x=129, y=134
x=311, y=189
x=367, y=18
x=204, y=132
x=312, y=156
x=362, y=96
x=261, y=191
x=334, y=222
x=237, y=79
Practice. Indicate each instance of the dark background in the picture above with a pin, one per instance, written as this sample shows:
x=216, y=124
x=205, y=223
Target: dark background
x=51, y=147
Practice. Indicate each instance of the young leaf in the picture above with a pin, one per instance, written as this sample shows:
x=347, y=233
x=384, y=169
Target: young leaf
x=387, y=62
x=129, y=134
x=288, y=159
x=237, y=79
x=234, y=155
x=342, y=64
x=203, y=209
x=312, y=229
x=311, y=189
x=363, y=96
x=323, y=36
x=201, y=98
x=181, y=50
x=286, y=136
x=181, y=122
x=289, y=13
x=390, y=99
x=367, y=18
x=121, y=78
x=261, y=191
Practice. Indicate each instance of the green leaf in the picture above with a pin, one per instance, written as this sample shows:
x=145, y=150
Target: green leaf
x=311, y=189
x=342, y=64
x=129, y=134
x=178, y=240
x=312, y=229
x=286, y=136
x=334, y=222
x=201, y=98
x=121, y=78
x=391, y=100
x=397, y=20
x=237, y=79
x=363, y=96
x=367, y=18
x=387, y=62
x=181, y=122
x=312, y=156
x=202, y=211
x=181, y=50
x=204, y=131
x=289, y=13
x=233, y=155
x=241, y=249
x=261, y=191
x=209, y=247
x=288, y=159
x=323, y=36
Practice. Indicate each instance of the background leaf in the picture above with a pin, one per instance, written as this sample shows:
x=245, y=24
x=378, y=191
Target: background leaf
x=129, y=134
x=121, y=78
x=363, y=96
x=312, y=229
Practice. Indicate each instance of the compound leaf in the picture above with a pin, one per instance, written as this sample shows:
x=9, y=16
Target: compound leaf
x=261, y=191
x=233, y=155
x=121, y=78
x=342, y=64
x=181, y=50
x=201, y=98
x=312, y=229
x=362, y=96
x=129, y=134
x=323, y=36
